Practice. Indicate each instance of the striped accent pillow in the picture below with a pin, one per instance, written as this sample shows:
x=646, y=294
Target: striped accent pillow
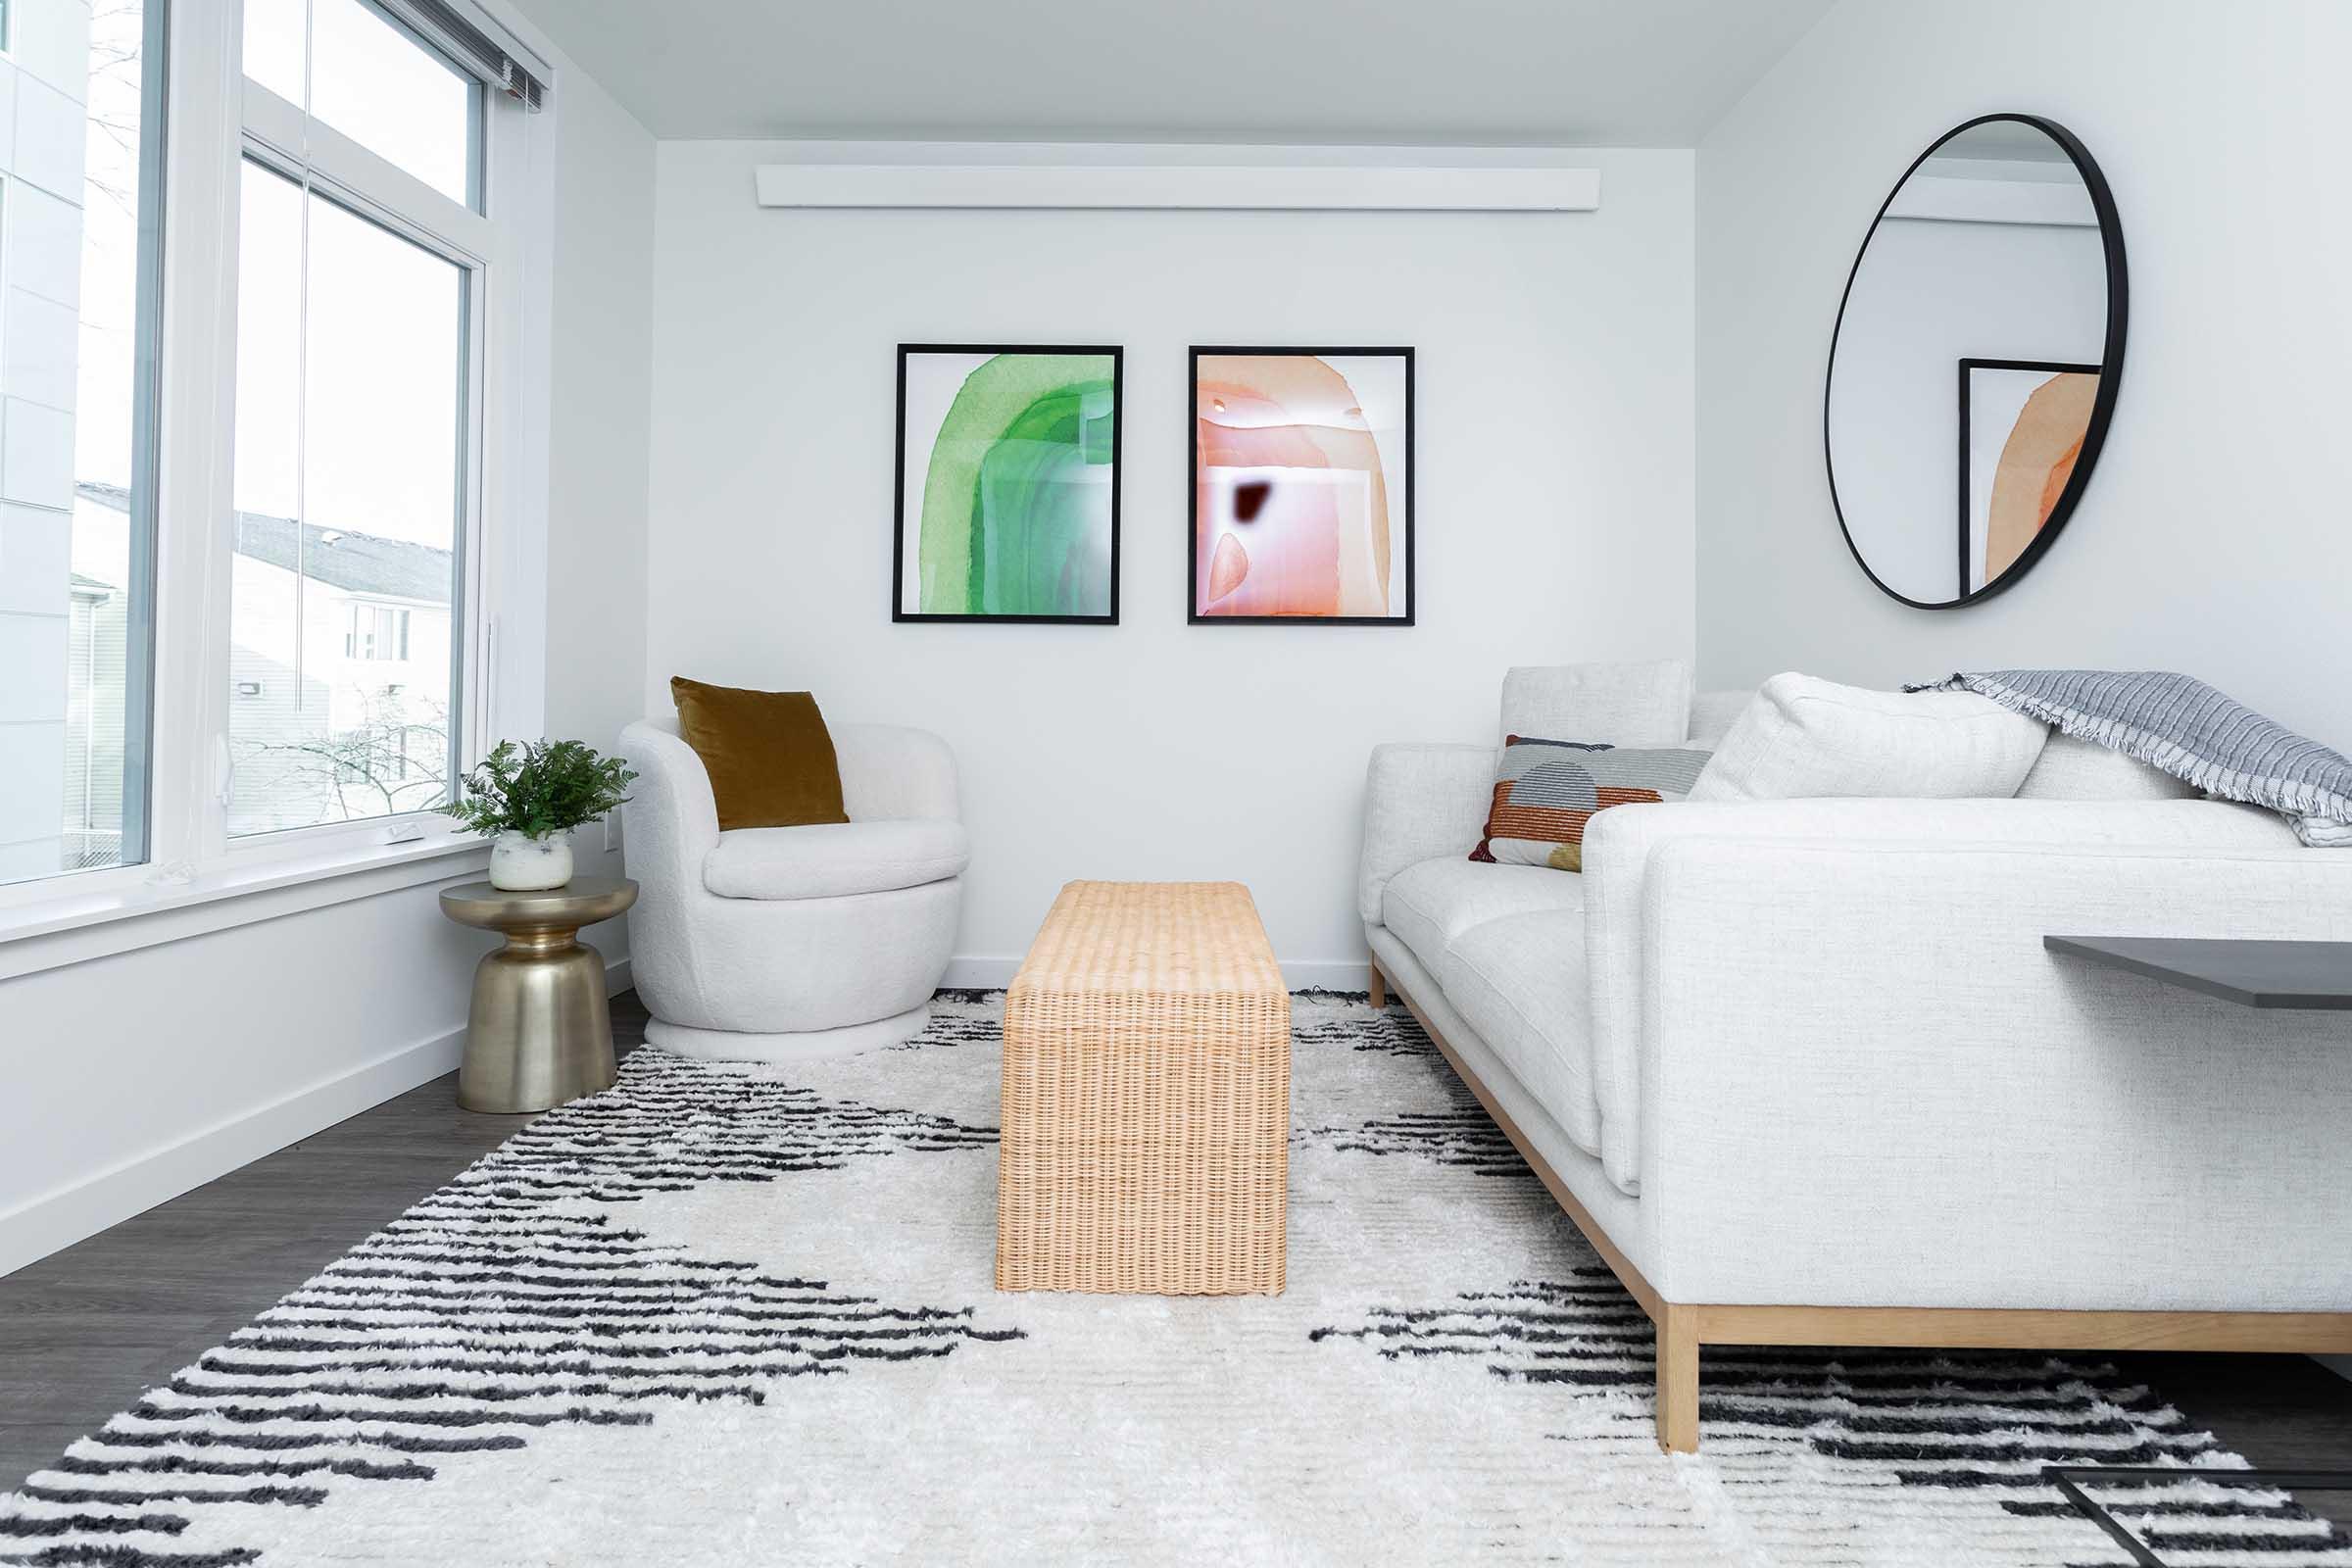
x=1545, y=791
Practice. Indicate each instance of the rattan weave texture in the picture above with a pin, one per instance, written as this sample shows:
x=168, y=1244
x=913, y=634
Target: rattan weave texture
x=1145, y=1122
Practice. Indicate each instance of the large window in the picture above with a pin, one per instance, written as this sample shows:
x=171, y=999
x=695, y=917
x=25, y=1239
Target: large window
x=349, y=488
x=244, y=611
x=77, y=211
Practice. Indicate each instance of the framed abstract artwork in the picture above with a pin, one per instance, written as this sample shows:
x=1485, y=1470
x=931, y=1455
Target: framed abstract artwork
x=1302, y=486
x=1007, y=484
x=2021, y=427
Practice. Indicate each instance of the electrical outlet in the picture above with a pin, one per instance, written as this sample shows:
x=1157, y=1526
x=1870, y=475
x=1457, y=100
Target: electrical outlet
x=612, y=832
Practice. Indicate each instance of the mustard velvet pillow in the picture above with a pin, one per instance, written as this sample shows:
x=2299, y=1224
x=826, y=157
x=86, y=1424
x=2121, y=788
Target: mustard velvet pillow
x=769, y=754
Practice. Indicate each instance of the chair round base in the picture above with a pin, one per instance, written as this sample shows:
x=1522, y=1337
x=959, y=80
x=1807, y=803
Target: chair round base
x=729, y=1045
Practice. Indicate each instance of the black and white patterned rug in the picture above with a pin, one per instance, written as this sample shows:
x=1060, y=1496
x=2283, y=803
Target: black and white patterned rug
x=731, y=1315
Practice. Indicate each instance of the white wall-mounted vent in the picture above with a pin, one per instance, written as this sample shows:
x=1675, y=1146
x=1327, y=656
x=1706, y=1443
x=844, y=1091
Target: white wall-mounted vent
x=1181, y=178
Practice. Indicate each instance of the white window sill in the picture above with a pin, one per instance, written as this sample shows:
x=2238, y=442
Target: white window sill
x=52, y=933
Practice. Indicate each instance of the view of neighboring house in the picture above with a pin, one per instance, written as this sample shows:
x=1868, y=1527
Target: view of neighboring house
x=339, y=677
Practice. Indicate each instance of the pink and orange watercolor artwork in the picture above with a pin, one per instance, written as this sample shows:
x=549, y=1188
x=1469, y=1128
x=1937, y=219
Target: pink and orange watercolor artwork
x=1303, y=485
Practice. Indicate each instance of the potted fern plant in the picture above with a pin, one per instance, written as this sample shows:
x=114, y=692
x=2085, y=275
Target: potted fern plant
x=527, y=799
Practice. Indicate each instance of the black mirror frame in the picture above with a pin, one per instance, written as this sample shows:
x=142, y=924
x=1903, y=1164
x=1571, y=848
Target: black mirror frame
x=2111, y=358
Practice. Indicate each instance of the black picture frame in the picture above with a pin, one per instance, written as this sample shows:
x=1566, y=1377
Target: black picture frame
x=2111, y=358
x=1192, y=477
x=899, y=613
x=1968, y=364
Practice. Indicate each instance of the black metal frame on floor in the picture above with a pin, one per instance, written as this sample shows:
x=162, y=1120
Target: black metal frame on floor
x=2069, y=1479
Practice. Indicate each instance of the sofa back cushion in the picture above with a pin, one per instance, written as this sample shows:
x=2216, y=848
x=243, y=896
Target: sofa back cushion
x=1712, y=714
x=1645, y=703
x=2072, y=768
x=1804, y=737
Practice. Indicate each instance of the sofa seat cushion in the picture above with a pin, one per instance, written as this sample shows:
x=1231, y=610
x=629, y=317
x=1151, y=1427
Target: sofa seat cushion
x=1431, y=903
x=828, y=859
x=1520, y=982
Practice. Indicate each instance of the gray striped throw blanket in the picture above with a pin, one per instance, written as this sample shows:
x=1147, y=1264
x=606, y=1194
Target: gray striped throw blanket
x=2189, y=730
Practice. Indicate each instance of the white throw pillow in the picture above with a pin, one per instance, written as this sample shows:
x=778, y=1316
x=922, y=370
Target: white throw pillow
x=1803, y=737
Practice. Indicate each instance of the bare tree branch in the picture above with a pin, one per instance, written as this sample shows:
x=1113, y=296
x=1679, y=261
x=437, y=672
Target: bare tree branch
x=389, y=761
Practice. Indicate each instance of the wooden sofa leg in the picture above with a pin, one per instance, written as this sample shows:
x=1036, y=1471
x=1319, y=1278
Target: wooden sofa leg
x=1678, y=1379
x=1380, y=988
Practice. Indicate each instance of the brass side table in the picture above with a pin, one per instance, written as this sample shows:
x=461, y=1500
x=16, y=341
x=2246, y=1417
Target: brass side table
x=539, y=1031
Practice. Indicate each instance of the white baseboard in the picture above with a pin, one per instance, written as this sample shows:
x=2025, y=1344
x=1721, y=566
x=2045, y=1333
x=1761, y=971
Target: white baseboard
x=59, y=1218
x=1327, y=974
x=1300, y=974
x=979, y=974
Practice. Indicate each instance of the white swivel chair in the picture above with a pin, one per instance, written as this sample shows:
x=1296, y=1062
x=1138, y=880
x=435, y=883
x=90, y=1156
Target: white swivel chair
x=767, y=944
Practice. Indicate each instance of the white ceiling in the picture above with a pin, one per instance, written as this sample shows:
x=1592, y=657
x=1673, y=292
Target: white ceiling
x=1621, y=73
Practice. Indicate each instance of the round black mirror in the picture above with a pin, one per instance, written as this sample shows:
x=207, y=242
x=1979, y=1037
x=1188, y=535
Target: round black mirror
x=1973, y=372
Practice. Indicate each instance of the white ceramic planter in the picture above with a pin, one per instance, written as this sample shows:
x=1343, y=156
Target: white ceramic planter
x=521, y=863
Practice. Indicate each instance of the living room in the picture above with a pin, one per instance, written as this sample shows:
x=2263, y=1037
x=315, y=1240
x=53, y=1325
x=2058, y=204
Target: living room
x=1266, y=814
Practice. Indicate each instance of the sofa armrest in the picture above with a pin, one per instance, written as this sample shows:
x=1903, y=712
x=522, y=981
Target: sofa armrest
x=1420, y=802
x=1622, y=845
x=1865, y=1081
x=891, y=772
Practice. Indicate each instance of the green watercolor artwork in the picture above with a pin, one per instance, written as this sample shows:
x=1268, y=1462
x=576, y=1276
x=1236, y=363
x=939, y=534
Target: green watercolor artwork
x=1009, y=484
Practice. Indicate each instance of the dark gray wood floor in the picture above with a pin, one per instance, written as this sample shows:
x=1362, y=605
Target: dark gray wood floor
x=83, y=1333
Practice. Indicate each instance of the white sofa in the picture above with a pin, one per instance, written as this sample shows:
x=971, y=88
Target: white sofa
x=772, y=943
x=1804, y=1073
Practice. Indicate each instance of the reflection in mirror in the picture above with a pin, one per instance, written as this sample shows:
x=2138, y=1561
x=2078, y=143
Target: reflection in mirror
x=1971, y=375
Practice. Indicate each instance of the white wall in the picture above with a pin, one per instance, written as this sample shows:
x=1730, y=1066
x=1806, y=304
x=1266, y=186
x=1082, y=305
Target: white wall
x=128, y=1079
x=603, y=351
x=1555, y=415
x=2212, y=537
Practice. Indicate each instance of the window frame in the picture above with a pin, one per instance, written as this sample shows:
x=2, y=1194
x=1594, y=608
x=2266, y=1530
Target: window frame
x=339, y=169
x=211, y=120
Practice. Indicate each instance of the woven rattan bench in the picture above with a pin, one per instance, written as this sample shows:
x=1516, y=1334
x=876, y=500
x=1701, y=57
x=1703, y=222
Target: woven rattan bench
x=1146, y=1096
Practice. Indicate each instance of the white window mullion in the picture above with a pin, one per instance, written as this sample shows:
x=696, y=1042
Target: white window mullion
x=197, y=445
x=478, y=577
x=508, y=667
